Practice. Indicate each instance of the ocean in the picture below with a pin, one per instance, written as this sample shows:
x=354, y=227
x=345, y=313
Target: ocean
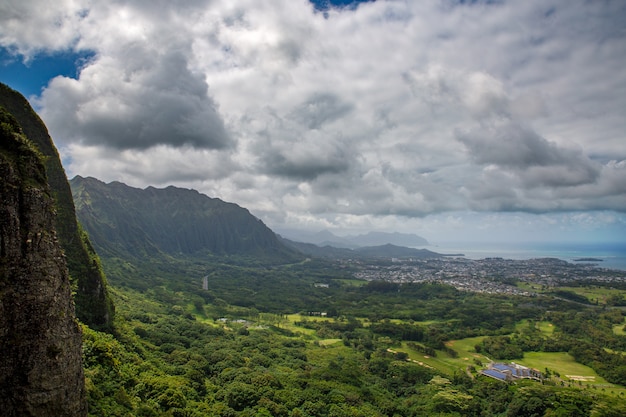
x=613, y=255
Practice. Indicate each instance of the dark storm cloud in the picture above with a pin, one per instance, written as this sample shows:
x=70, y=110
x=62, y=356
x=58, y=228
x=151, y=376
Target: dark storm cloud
x=321, y=108
x=150, y=99
x=304, y=170
x=307, y=162
x=535, y=160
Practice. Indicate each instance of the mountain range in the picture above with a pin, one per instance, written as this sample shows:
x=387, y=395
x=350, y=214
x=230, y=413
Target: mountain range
x=386, y=251
x=126, y=221
x=327, y=238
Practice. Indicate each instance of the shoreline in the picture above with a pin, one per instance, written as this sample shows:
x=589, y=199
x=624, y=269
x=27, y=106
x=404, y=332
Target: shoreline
x=606, y=255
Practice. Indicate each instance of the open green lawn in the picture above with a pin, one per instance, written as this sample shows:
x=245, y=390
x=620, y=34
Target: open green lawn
x=299, y=317
x=465, y=347
x=441, y=362
x=545, y=327
x=561, y=362
x=352, y=282
x=329, y=342
x=569, y=370
x=619, y=328
x=594, y=294
x=446, y=363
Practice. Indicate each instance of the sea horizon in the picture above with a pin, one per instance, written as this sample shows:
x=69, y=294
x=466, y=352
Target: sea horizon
x=612, y=254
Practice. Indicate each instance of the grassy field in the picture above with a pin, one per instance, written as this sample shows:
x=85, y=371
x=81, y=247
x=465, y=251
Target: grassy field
x=560, y=363
x=292, y=318
x=328, y=342
x=545, y=327
x=595, y=295
x=570, y=372
x=446, y=363
x=618, y=329
x=352, y=282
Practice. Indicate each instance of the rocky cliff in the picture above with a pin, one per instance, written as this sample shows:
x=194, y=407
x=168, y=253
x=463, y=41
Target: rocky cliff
x=40, y=341
x=93, y=305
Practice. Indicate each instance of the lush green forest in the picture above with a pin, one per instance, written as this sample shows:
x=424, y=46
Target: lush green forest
x=305, y=339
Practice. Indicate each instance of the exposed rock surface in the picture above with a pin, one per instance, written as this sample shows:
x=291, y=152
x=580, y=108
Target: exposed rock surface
x=41, y=370
x=93, y=305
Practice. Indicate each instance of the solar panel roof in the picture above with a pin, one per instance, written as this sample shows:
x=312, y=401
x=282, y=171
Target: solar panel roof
x=495, y=374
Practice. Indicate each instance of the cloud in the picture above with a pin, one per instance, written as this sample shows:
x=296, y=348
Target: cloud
x=29, y=27
x=319, y=109
x=135, y=99
x=538, y=162
x=353, y=116
x=307, y=162
x=158, y=166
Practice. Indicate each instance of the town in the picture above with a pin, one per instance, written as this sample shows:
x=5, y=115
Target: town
x=489, y=275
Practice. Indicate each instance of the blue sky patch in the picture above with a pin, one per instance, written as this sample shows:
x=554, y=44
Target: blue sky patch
x=29, y=78
x=324, y=5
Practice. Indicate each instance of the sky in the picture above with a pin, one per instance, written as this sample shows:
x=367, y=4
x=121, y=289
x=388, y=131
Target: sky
x=455, y=120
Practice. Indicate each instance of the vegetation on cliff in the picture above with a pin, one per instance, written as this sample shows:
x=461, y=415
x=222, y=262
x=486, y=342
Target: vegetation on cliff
x=93, y=305
x=41, y=370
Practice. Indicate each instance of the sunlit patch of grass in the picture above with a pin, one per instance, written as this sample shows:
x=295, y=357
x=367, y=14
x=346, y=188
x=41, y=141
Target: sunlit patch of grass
x=570, y=372
x=352, y=282
x=446, y=363
x=545, y=327
x=328, y=342
x=618, y=329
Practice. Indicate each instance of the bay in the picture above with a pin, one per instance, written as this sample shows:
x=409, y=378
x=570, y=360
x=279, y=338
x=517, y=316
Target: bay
x=612, y=254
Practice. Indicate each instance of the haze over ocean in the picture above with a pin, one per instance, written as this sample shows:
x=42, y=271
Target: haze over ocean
x=613, y=254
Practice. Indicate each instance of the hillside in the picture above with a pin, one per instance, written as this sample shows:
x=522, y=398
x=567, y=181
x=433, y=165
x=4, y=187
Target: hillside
x=40, y=345
x=386, y=251
x=327, y=238
x=93, y=305
x=393, y=251
x=123, y=221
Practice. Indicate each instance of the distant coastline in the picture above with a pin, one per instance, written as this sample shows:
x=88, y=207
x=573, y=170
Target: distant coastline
x=612, y=255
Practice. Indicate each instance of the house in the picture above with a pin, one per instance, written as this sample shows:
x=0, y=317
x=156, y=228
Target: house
x=510, y=372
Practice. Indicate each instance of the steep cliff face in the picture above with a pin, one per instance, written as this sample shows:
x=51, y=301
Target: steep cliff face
x=40, y=342
x=93, y=305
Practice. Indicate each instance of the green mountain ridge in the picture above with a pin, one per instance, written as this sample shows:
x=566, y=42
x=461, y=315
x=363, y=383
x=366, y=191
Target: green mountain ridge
x=373, y=238
x=365, y=252
x=122, y=220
